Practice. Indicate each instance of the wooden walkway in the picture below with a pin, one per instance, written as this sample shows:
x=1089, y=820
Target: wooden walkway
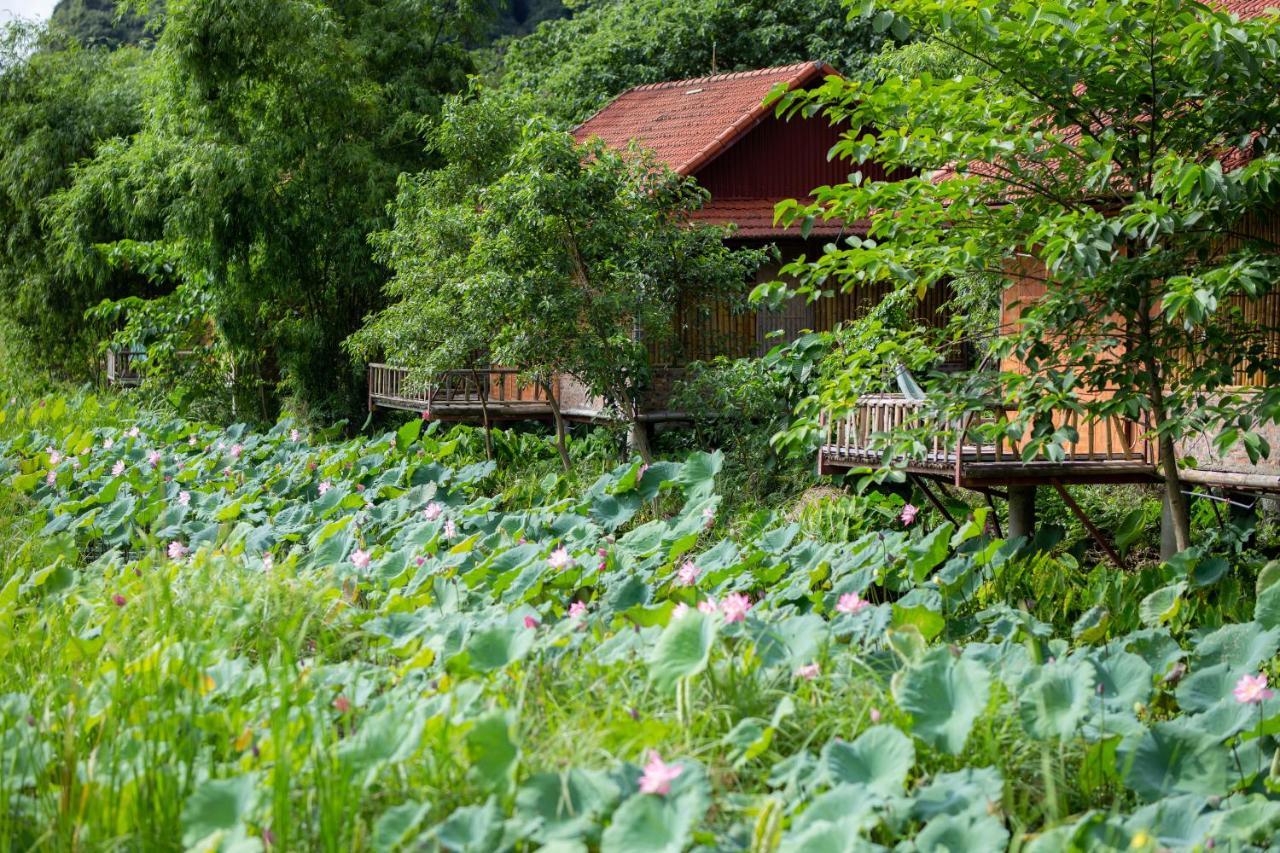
x=1105, y=451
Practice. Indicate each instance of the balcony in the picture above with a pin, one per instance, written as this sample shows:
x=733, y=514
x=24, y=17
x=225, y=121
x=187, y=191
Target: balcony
x=965, y=453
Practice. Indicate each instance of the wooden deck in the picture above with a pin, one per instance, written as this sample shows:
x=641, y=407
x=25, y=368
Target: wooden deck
x=1105, y=451
x=460, y=394
x=124, y=368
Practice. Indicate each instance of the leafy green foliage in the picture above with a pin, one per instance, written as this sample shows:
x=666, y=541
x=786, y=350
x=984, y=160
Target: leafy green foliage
x=377, y=643
x=577, y=64
x=58, y=106
x=274, y=136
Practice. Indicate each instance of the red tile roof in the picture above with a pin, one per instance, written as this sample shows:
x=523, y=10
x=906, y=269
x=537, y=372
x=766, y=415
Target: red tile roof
x=1247, y=8
x=754, y=219
x=686, y=123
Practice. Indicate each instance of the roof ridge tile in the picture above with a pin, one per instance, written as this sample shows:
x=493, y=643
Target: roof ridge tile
x=728, y=75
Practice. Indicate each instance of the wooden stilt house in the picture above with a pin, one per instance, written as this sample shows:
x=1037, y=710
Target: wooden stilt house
x=1111, y=450
x=719, y=131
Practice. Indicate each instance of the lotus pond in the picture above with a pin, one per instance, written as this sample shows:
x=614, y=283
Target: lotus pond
x=226, y=639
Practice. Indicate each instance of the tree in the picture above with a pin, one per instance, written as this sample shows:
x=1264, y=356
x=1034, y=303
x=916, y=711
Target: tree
x=531, y=251
x=1122, y=155
x=58, y=105
x=576, y=65
x=275, y=133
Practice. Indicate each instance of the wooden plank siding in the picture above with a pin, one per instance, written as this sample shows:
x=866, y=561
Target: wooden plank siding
x=1257, y=317
x=711, y=327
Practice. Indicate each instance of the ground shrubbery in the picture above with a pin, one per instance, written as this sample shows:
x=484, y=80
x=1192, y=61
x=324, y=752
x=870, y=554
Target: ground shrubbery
x=229, y=639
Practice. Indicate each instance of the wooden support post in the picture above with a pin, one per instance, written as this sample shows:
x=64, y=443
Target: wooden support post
x=1089, y=525
x=1022, y=512
x=923, y=486
x=995, y=516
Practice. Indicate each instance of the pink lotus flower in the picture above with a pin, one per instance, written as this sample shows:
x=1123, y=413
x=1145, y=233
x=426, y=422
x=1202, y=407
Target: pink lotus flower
x=236, y=450
x=909, y=513
x=419, y=561
x=184, y=499
x=679, y=610
x=108, y=443
x=687, y=574
x=851, y=602
x=560, y=558
x=117, y=469
x=1252, y=689
x=134, y=432
x=118, y=600
x=268, y=562
x=191, y=441
x=360, y=559
x=658, y=775
x=51, y=479
x=342, y=704
x=874, y=714
x=177, y=550
x=709, y=518
x=54, y=456
x=449, y=530
x=75, y=464
x=153, y=458
x=578, y=608
x=324, y=486
x=433, y=511
x=708, y=605
x=360, y=487
x=530, y=622
x=808, y=672
x=735, y=607
x=295, y=436
x=426, y=414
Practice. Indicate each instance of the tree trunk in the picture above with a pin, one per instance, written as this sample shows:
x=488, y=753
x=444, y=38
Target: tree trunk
x=482, y=390
x=1179, y=511
x=638, y=439
x=559, y=419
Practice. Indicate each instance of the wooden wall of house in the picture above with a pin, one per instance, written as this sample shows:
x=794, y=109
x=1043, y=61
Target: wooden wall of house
x=781, y=159
x=1258, y=316
x=709, y=328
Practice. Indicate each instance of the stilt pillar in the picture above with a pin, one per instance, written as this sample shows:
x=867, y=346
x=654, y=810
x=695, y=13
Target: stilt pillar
x=1022, y=512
